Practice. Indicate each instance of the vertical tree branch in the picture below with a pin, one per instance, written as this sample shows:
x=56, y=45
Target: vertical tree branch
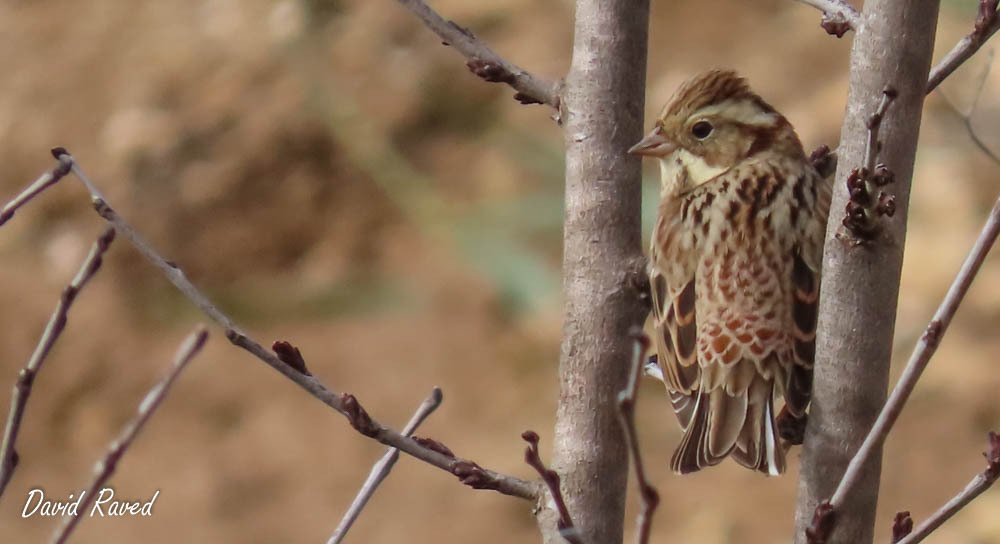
x=602, y=105
x=648, y=494
x=892, y=47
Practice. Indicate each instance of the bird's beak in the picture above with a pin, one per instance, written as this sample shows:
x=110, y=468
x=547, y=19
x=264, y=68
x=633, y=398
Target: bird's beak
x=655, y=144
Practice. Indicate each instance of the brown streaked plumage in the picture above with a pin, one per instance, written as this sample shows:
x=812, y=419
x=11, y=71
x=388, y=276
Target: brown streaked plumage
x=735, y=263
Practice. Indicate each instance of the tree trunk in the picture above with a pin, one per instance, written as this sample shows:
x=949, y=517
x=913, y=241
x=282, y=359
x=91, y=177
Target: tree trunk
x=860, y=286
x=602, y=112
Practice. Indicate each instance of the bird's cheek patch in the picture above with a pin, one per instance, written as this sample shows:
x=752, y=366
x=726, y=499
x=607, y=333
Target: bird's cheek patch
x=684, y=171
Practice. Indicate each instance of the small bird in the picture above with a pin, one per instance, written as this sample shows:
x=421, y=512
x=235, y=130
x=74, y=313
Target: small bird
x=735, y=263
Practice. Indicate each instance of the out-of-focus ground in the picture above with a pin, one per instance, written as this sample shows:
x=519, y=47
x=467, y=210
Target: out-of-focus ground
x=330, y=174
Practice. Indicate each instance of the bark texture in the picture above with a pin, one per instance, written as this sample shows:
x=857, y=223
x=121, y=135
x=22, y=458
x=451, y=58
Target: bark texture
x=602, y=111
x=860, y=286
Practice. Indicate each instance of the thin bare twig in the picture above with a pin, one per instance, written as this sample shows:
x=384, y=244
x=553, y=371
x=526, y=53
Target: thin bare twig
x=981, y=482
x=55, y=326
x=971, y=130
x=626, y=413
x=863, y=207
x=920, y=357
x=551, y=478
x=381, y=469
x=44, y=181
x=483, y=61
x=987, y=23
x=346, y=404
x=874, y=124
x=838, y=16
x=106, y=466
x=967, y=117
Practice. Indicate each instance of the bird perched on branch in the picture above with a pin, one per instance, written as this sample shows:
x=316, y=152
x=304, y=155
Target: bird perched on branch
x=735, y=272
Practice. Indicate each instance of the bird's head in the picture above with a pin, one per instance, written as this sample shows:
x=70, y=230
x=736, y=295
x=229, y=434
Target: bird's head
x=712, y=123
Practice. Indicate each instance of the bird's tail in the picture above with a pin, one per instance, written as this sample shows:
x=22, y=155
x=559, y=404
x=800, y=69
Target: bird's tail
x=758, y=446
x=717, y=424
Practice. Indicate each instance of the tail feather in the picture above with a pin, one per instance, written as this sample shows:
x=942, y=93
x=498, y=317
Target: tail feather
x=684, y=406
x=751, y=444
x=727, y=416
x=691, y=453
x=717, y=424
x=758, y=447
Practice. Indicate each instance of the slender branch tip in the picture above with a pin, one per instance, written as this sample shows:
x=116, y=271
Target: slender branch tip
x=483, y=61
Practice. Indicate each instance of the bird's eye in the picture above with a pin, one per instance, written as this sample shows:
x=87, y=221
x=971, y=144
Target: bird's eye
x=701, y=129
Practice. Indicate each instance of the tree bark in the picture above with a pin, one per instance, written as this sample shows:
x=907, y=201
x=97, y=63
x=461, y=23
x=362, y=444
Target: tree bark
x=893, y=46
x=602, y=111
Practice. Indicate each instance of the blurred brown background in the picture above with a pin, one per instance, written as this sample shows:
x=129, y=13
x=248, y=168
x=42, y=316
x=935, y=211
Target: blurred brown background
x=331, y=175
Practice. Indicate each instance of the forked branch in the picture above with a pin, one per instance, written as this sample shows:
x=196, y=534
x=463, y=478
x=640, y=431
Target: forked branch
x=980, y=483
x=346, y=404
x=839, y=17
x=826, y=512
x=987, y=23
x=483, y=61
